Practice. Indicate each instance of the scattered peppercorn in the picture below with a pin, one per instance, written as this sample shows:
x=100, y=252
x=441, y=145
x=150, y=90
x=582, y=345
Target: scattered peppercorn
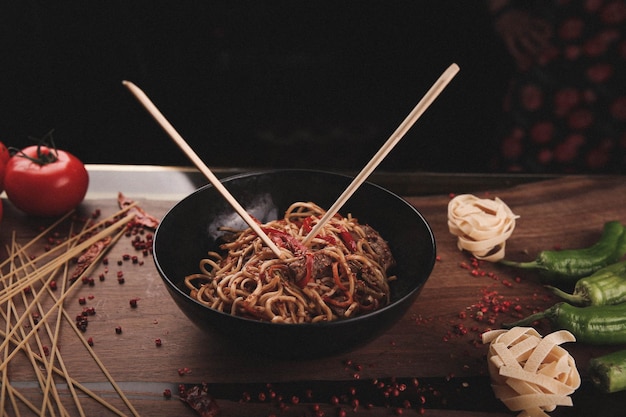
x=81, y=323
x=355, y=404
x=184, y=371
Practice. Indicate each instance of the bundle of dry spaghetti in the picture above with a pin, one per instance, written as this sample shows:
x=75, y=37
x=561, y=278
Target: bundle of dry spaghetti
x=529, y=373
x=33, y=289
x=343, y=272
x=482, y=226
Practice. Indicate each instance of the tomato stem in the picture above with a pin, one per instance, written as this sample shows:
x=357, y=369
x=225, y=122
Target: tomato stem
x=46, y=150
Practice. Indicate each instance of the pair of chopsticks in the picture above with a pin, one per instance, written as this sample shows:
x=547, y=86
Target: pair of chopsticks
x=398, y=134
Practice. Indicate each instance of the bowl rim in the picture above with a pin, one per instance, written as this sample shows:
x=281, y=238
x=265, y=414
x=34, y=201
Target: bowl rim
x=346, y=321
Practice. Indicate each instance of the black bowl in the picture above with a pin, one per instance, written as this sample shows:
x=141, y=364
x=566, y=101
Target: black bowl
x=189, y=230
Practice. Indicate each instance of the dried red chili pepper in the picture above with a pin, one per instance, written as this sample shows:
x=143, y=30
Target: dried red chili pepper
x=89, y=256
x=347, y=238
x=141, y=217
x=198, y=398
x=282, y=239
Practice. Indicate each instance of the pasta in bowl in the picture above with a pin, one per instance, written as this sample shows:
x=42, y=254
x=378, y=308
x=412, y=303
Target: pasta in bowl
x=347, y=285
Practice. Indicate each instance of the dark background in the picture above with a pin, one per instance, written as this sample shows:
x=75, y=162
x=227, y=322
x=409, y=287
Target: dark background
x=253, y=83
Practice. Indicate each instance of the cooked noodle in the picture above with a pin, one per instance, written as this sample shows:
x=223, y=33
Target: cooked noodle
x=342, y=273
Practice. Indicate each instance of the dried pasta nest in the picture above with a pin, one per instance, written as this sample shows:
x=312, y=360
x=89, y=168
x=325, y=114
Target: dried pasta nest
x=529, y=373
x=482, y=226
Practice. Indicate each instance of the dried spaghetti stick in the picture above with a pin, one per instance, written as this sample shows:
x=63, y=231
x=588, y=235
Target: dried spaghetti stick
x=482, y=226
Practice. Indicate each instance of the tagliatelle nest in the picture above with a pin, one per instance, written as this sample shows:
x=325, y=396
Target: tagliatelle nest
x=481, y=225
x=529, y=373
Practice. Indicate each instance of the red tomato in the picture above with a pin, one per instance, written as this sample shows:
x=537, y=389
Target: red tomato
x=4, y=153
x=43, y=181
x=4, y=158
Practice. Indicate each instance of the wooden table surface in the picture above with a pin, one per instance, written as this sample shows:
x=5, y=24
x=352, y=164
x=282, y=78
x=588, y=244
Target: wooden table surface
x=432, y=355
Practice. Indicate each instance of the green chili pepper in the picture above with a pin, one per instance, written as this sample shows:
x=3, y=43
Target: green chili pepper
x=594, y=325
x=608, y=372
x=572, y=264
x=605, y=286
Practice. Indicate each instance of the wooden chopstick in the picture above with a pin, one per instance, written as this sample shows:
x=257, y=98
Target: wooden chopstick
x=193, y=156
x=402, y=129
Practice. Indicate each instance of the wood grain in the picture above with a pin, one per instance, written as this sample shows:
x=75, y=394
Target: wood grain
x=438, y=337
